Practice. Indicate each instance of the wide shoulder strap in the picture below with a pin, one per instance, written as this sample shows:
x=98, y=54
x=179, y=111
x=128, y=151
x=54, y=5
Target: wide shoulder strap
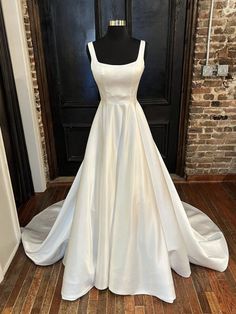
x=142, y=49
x=91, y=51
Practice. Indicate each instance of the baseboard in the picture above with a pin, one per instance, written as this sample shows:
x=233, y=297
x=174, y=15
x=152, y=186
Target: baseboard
x=67, y=181
x=211, y=178
x=61, y=181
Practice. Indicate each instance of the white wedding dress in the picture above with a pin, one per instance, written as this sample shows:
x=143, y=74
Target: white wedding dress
x=122, y=225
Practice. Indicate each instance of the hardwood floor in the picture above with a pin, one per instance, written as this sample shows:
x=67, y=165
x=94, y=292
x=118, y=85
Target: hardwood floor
x=28, y=288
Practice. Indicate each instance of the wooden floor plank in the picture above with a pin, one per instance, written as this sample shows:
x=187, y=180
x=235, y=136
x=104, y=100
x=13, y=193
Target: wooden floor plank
x=41, y=294
x=56, y=300
x=11, y=277
x=148, y=304
x=92, y=306
x=19, y=287
x=230, y=188
x=182, y=300
x=192, y=296
x=33, y=290
x=111, y=303
x=129, y=303
x=139, y=309
x=119, y=304
x=102, y=301
x=48, y=297
x=138, y=299
x=225, y=300
x=70, y=307
x=83, y=304
x=28, y=288
x=157, y=305
x=213, y=302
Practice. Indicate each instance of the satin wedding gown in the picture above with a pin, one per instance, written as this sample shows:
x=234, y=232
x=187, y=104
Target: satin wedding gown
x=122, y=225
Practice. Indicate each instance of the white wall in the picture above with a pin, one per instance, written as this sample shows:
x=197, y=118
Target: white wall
x=10, y=234
x=13, y=18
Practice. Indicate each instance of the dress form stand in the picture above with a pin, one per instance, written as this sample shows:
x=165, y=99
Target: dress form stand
x=116, y=46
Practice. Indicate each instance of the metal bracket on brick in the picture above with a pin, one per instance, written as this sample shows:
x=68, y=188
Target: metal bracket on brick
x=215, y=70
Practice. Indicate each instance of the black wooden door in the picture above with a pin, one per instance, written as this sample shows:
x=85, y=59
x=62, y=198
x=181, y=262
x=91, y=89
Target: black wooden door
x=67, y=26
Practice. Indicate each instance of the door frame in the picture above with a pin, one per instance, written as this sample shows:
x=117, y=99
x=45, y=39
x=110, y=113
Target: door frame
x=21, y=176
x=17, y=44
x=187, y=76
x=40, y=65
x=187, y=73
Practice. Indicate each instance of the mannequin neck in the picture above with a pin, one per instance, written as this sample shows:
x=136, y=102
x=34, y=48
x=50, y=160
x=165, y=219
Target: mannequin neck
x=117, y=33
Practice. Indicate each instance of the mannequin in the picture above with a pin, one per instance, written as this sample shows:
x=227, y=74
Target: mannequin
x=116, y=47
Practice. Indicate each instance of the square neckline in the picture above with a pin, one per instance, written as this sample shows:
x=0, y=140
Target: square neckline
x=124, y=64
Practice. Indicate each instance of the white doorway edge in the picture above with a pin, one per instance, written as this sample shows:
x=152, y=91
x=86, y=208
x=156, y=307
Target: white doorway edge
x=14, y=24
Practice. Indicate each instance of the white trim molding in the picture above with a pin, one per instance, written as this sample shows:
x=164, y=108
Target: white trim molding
x=10, y=233
x=14, y=24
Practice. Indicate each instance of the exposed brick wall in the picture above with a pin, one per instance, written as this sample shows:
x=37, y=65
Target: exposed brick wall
x=211, y=144
x=35, y=84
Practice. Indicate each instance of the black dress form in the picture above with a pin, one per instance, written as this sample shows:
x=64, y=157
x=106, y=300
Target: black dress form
x=116, y=47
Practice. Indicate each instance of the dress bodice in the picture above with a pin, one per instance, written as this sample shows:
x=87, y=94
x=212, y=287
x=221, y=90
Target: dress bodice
x=117, y=83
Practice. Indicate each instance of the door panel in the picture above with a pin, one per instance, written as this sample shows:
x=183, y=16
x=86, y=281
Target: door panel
x=68, y=26
x=160, y=87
